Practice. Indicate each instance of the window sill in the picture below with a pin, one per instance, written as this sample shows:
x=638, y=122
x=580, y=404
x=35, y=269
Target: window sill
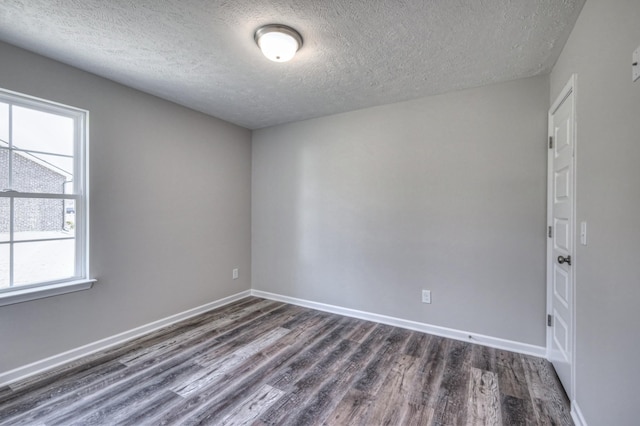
x=19, y=296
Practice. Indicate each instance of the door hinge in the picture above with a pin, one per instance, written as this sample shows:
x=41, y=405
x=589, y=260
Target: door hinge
x=550, y=232
x=549, y=320
x=550, y=142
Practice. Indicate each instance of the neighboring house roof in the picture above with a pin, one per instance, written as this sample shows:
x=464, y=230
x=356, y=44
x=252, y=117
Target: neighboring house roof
x=33, y=157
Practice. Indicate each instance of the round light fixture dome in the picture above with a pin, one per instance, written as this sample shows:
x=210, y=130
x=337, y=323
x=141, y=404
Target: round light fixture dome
x=278, y=43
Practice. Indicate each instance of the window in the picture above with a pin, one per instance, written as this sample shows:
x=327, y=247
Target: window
x=43, y=198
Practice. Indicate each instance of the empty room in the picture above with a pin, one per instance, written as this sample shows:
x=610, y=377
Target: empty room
x=306, y=212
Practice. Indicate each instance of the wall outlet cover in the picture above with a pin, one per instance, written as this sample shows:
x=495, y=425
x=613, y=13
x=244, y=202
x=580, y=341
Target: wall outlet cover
x=426, y=296
x=583, y=233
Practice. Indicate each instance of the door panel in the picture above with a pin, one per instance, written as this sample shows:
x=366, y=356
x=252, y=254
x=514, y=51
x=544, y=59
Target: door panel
x=561, y=240
x=561, y=287
x=561, y=334
x=562, y=181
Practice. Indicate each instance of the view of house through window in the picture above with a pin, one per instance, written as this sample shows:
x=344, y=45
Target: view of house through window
x=42, y=238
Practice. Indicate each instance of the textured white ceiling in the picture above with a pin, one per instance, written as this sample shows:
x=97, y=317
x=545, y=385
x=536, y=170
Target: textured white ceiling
x=356, y=53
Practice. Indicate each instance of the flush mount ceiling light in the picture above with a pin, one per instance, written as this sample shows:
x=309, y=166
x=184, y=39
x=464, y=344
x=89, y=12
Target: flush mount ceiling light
x=278, y=43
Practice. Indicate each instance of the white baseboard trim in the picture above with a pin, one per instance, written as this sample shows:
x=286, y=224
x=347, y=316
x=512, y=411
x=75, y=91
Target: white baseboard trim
x=576, y=414
x=54, y=361
x=43, y=365
x=480, y=339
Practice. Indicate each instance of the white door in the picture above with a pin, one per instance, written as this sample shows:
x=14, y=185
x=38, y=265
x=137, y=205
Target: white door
x=560, y=247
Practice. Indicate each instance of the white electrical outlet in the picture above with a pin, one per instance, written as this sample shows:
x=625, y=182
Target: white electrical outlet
x=635, y=70
x=235, y=274
x=426, y=296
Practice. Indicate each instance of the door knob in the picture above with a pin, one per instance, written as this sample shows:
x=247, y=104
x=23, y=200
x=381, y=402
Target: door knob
x=562, y=260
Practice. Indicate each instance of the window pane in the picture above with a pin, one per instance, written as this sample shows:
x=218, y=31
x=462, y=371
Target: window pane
x=4, y=266
x=49, y=174
x=43, y=261
x=41, y=131
x=4, y=124
x=5, y=204
x=42, y=218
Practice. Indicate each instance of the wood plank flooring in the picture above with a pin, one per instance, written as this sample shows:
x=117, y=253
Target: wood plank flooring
x=259, y=362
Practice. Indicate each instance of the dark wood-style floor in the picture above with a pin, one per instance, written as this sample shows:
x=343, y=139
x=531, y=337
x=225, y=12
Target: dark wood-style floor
x=261, y=362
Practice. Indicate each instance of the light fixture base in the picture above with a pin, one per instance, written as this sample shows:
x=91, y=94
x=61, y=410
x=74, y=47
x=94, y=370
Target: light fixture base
x=278, y=42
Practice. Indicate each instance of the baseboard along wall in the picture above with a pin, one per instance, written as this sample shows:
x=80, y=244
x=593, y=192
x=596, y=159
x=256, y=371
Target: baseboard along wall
x=576, y=415
x=480, y=339
x=63, y=358
x=49, y=363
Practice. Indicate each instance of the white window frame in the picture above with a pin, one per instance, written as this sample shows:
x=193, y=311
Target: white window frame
x=81, y=279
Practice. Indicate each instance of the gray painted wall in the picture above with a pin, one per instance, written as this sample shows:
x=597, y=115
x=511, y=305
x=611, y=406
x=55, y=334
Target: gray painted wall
x=608, y=198
x=170, y=212
x=447, y=193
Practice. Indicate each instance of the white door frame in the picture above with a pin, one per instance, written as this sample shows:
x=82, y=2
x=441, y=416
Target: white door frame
x=569, y=88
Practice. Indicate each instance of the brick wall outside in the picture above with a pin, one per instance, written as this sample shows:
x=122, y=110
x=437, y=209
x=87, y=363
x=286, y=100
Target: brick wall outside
x=31, y=214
